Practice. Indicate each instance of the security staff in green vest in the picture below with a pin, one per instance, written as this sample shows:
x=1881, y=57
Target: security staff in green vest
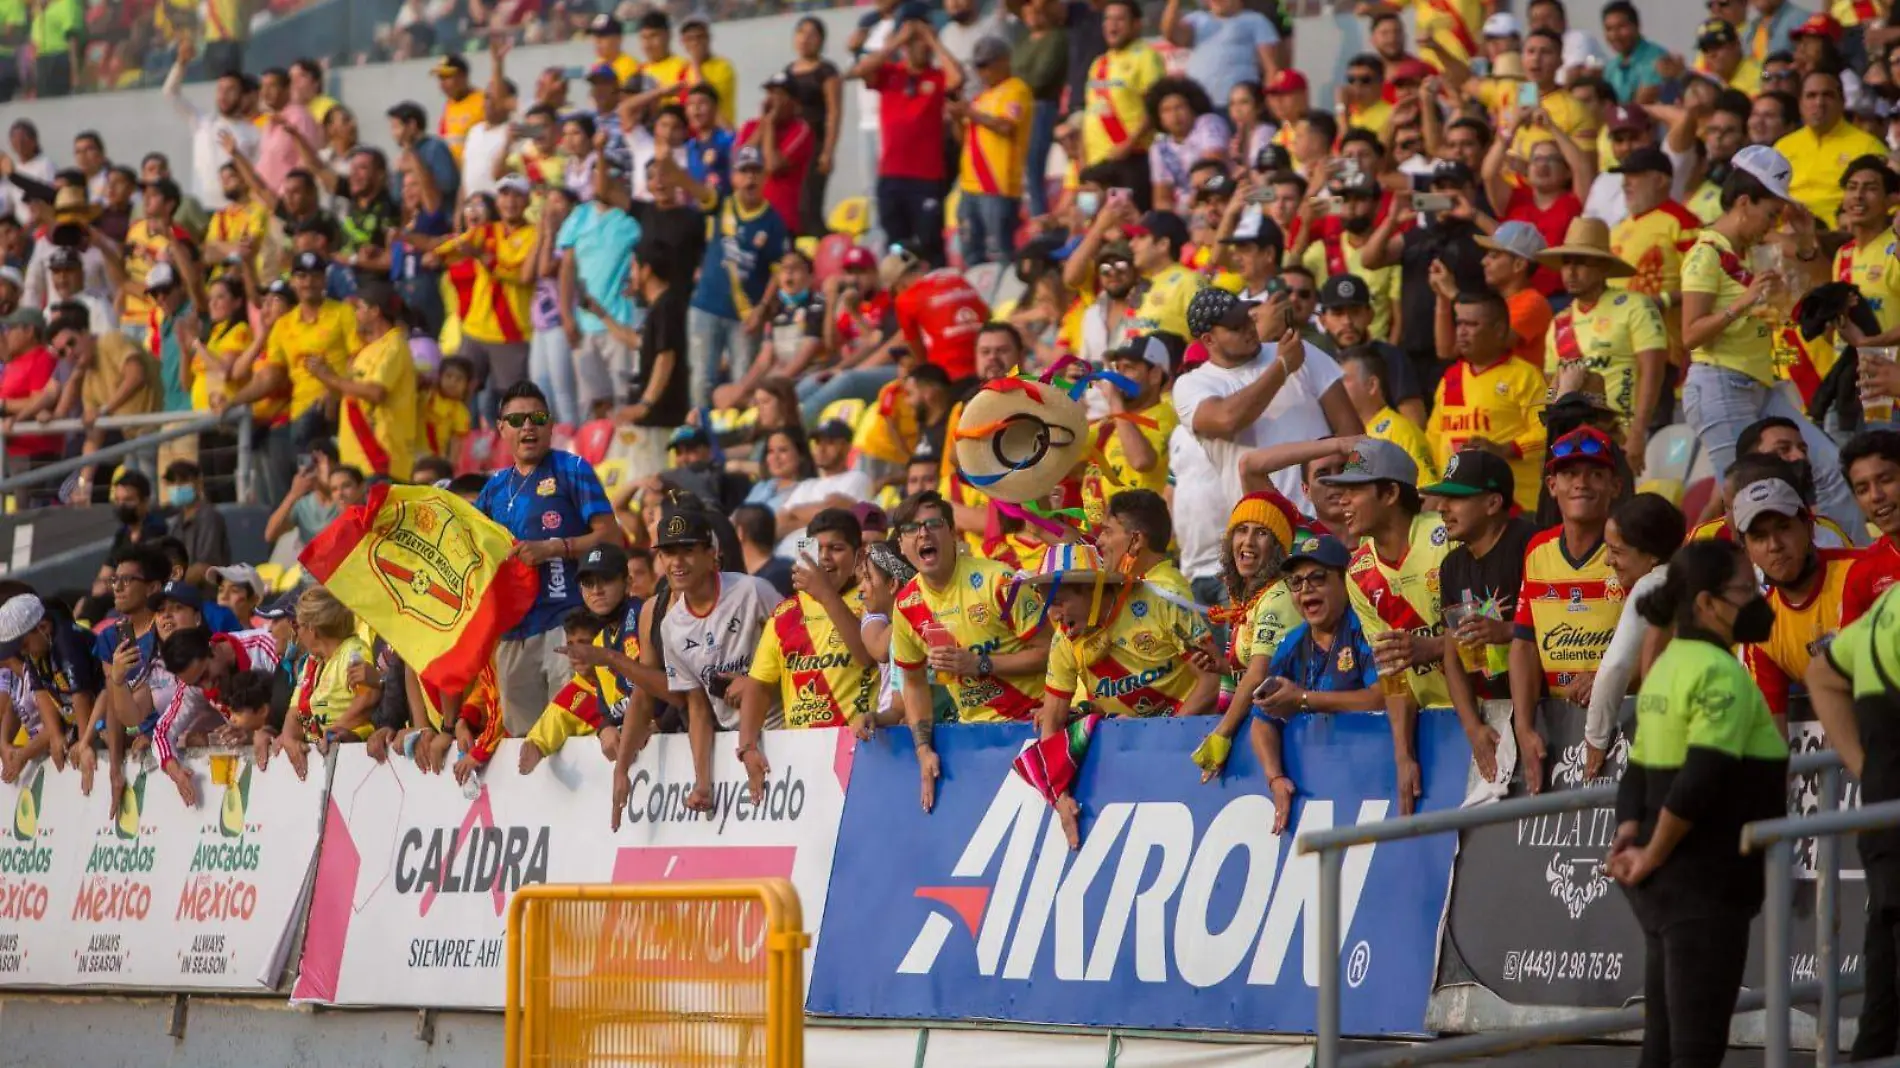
x=1707, y=759
x=59, y=41
x=1856, y=693
x=14, y=19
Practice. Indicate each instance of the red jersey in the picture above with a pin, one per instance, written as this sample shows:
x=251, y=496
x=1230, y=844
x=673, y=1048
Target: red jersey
x=27, y=374
x=796, y=146
x=910, y=109
x=940, y=315
x=1877, y=568
x=1550, y=222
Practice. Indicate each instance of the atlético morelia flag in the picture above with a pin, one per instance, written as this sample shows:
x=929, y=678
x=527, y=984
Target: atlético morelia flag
x=430, y=574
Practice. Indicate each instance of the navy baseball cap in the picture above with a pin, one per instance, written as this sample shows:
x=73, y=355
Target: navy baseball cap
x=1324, y=550
x=178, y=592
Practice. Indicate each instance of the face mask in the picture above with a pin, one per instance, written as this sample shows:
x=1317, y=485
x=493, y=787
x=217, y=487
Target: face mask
x=1088, y=203
x=1754, y=622
x=795, y=299
x=126, y=514
x=1361, y=225
x=181, y=496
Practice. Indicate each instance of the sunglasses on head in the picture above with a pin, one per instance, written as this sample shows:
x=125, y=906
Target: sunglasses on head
x=521, y=419
x=1567, y=448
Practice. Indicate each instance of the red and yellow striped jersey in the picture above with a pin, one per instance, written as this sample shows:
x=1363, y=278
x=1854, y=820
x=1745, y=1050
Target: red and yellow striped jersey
x=1567, y=608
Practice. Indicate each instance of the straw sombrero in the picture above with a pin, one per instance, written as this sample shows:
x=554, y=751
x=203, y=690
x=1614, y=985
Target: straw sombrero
x=70, y=205
x=1017, y=438
x=1508, y=66
x=1586, y=238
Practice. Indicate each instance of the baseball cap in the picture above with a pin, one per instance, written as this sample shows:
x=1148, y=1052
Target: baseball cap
x=1819, y=24
x=1160, y=224
x=1213, y=307
x=1272, y=159
x=409, y=111
x=604, y=25
x=12, y=274
x=871, y=519
x=62, y=259
x=1519, y=238
x=1767, y=166
x=895, y=265
x=308, y=263
x=748, y=157
x=1586, y=445
x=603, y=72
x=778, y=80
x=1345, y=291
x=1714, y=34
x=687, y=437
x=1219, y=185
x=680, y=527
x=179, y=592
x=834, y=430
x=603, y=559
x=451, y=64
x=29, y=317
x=515, y=183
x=281, y=288
x=859, y=258
x=1374, y=460
x=283, y=607
x=1751, y=503
x=989, y=50
x=1502, y=24
x=1286, y=80
x=1150, y=350
x=695, y=21
x=1630, y=117
x=1409, y=70
x=1648, y=160
x=243, y=575
x=1452, y=172
x=1324, y=549
x=18, y=616
x=1114, y=251
x=1471, y=472
x=1354, y=184
x=1255, y=228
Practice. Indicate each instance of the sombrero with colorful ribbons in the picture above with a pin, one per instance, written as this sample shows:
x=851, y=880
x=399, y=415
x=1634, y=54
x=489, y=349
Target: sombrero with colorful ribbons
x=1018, y=438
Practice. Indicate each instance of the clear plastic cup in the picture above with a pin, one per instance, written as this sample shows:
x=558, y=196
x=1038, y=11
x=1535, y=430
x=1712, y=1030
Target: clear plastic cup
x=1877, y=409
x=1470, y=654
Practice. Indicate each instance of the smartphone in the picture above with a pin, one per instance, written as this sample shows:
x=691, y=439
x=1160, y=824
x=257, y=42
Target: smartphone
x=938, y=636
x=1430, y=203
x=1262, y=194
x=1335, y=205
x=806, y=547
x=306, y=462
x=1120, y=194
x=1527, y=96
x=1276, y=286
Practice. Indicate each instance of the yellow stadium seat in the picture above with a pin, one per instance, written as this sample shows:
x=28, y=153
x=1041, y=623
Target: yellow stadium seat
x=610, y=473
x=1668, y=489
x=851, y=216
x=847, y=410
x=807, y=245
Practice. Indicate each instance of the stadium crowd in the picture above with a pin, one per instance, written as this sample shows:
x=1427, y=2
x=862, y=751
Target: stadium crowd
x=1382, y=402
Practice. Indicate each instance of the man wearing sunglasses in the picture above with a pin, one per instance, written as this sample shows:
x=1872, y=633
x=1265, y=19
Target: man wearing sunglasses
x=1570, y=602
x=553, y=504
x=1105, y=320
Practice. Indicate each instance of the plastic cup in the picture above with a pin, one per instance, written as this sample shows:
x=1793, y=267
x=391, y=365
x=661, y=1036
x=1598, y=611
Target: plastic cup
x=1392, y=683
x=1877, y=409
x=1470, y=654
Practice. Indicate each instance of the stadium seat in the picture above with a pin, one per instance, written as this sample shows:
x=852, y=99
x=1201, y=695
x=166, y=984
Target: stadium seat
x=1696, y=498
x=847, y=410
x=478, y=452
x=563, y=437
x=828, y=261
x=592, y=439
x=984, y=278
x=852, y=217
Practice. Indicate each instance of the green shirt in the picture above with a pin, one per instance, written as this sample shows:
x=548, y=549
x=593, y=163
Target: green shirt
x=14, y=18
x=1043, y=63
x=55, y=23
x=1698, y=694
x=1867, y=651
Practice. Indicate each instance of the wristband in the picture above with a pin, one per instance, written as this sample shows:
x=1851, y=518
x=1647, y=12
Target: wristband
x=409, y=743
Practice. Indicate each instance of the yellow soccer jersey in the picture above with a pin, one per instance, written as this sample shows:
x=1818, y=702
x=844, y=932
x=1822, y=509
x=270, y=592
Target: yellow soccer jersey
x=1390, y=426
x=1499, y=404
x=1272, y=614
x=1606, y=337
x=1135, y=666
x=1115, y=474
x=1165, y=307
x=1801, y=632
x=1567, y=608
x=1118, y=84
x=1403, y=595
x=1745, y=346
x=1653, y=243
x=983, y=608
x=1875, y=270
x=803, y=654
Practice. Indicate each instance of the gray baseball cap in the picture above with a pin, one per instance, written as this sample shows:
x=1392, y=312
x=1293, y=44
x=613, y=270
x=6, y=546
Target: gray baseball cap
x=1374, y=460
x=1518, y=238
x=1768, y=495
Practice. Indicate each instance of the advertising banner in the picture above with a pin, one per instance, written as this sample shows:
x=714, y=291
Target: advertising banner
x=1181, y=909
x=1536, y=920
x=163, y=896
x=412, y=891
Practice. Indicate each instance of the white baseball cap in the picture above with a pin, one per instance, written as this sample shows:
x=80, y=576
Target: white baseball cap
x=243, y=575
x=1758, y=499
x=1502, y=24
x=1767, y=166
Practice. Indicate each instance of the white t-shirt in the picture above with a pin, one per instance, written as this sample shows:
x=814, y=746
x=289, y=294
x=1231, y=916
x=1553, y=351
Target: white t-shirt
x=700, y=649
x=642, y=148
x=481, y=149
x=853, y=484
x=1293, y=415
x=874, y=41
x=1200, y=505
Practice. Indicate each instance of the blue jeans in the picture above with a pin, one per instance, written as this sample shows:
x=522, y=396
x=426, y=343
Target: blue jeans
x=859, y=383
x=1042, y=137
x=1720, y=402
x=911, y=211
x=709, y=339
x=986, y=226
x=551, y=367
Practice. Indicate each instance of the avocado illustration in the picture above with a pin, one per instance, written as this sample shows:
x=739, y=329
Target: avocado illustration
x=131, y=803
x=26, y=810
x=237, y=800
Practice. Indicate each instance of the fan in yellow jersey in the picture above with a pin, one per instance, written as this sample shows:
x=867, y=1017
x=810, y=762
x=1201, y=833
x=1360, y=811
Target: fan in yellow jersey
x=1563, y=112
x=1654, y=236
x=1363, y=372
x=1719, y=55
x=316, y=328
x=1134, y=454
x=1157, y=241
x=1489, y=399
x=1117, y=646
x=1343, y=253
x=595, y=701
x=962, y=620
x=1116, y=126
x=464, y=107
x=1568, y=607
x=1392, y=583
x=1618, y=335
x=812, y=649
x=376, y=430
x=496, y=327
x=1804, y=585
x=1868, y=259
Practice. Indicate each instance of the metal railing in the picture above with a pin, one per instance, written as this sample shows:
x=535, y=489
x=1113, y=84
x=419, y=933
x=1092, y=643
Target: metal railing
x=170, y=426
x=1331, y=845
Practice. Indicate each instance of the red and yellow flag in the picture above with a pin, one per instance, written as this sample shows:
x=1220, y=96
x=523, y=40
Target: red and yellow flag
x=428, y=573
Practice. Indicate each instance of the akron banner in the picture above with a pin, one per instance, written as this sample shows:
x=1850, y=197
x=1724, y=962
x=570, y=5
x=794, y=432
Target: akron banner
x=163, y=895
x=412, y=891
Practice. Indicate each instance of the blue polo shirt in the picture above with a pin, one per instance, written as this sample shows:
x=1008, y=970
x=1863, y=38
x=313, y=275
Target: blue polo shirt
x=558, y=499
x=601, y=240
x=1348, y=665
x=709, y=160
x=739, y=259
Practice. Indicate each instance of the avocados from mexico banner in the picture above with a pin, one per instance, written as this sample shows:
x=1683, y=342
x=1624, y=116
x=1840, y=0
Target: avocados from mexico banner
x=162, y=896
x=411, y=899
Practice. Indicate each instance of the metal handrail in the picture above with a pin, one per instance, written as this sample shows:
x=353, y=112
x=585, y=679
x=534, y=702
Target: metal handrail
x=1331, y=845
x=193, y=423
x=1777, y=838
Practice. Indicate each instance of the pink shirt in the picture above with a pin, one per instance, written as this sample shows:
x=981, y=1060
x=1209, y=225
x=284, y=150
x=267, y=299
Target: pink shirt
x=277, y=153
